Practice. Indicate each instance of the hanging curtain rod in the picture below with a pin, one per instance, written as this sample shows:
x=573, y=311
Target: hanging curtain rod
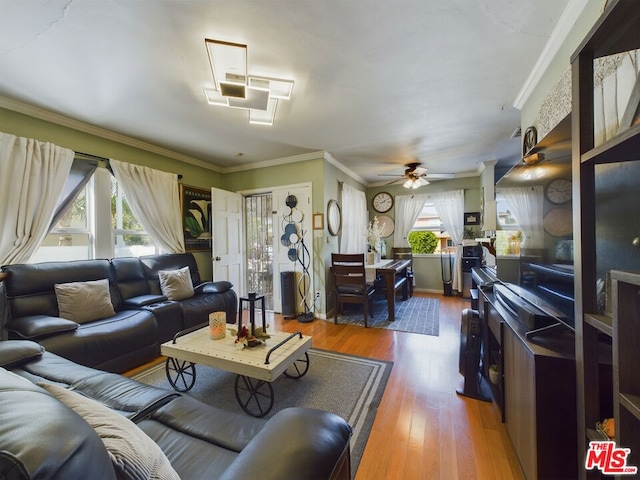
x=102, y=161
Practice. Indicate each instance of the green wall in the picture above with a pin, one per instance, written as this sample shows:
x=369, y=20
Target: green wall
x=26, y=126
x=323, y=175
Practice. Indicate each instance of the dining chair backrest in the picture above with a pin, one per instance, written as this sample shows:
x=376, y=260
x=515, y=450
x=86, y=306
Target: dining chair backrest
x=350, y=283
x=401, y=253
x=347, y=259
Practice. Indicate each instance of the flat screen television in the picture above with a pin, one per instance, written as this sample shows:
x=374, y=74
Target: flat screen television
x=544, y=279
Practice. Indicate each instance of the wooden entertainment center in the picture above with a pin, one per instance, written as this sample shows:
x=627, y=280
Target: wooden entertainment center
x=607, y=340
x=536, y=390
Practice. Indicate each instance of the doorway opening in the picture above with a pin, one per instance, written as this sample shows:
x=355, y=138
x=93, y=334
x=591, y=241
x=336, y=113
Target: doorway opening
x=259, y=234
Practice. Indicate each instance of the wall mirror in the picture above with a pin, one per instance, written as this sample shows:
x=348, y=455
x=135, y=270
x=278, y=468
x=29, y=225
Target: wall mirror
x=334, y=217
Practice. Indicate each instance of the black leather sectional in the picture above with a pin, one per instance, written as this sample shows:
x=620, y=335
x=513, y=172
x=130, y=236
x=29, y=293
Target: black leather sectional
x=143, y=317
x=42, y=438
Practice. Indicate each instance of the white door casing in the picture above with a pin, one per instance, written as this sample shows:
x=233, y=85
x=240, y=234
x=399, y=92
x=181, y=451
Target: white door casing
x=228, y=251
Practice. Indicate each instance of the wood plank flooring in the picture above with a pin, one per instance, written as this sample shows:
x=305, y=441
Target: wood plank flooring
x=423, y=429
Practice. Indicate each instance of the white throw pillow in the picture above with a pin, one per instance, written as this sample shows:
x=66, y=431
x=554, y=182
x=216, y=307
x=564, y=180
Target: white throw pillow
x=133, y=454
x=176, y=284
x=83, y=302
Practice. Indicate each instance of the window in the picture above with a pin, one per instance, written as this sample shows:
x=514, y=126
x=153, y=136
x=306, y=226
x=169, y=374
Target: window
x=430, y=220
x=99, y=224
x=508, y=235
x=70, y=238
x=129, y=237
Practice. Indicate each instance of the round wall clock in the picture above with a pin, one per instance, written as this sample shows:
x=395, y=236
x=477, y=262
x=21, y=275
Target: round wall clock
x=382, y=202
x=529, y=140
x=387, y=226
x=558, y=191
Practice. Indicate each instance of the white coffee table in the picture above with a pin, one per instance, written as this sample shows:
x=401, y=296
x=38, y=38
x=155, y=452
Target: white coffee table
x=255, y=367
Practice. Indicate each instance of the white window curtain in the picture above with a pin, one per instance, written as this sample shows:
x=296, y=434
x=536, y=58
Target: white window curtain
x=33, y=176
x=450, y=209
x=354, y=220
x=407, y=210
x=155, y=200
x=526, y=205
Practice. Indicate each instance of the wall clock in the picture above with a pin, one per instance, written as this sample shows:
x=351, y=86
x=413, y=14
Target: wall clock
x=529, y=140
x=382, y=202
x=558, y=191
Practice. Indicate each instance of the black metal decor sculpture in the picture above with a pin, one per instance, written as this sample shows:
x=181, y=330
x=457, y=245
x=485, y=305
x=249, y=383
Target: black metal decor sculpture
x=293, y=237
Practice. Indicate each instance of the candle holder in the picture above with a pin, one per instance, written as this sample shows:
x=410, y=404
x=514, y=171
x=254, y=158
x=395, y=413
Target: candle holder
x=217, y=325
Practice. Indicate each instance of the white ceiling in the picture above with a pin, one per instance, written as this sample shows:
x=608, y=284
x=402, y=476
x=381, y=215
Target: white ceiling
x=377, y=83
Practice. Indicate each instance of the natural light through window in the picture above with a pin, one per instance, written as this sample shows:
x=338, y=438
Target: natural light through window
x=99, y=224
x=429, y=220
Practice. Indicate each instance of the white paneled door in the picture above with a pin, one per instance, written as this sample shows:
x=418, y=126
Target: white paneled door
x=228, y=239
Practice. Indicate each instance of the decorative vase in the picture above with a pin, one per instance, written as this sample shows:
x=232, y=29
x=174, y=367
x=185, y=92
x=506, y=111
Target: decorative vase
x=217, y=325
x=371, y=258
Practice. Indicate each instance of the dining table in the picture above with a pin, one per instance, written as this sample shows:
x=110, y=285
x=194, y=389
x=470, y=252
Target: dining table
x=387, y=270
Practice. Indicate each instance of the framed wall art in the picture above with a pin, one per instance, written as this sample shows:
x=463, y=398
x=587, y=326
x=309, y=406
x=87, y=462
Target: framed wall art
x=472, y=218
x=195, y=204
x=318, y=221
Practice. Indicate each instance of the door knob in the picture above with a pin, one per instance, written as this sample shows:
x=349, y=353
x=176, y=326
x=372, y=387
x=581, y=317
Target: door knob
x=217, y=259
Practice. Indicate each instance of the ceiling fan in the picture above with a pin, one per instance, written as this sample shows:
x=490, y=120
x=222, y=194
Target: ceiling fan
x=416, y=176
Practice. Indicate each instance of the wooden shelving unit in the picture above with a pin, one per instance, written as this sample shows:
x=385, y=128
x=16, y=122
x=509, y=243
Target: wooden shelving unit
x=617, y=31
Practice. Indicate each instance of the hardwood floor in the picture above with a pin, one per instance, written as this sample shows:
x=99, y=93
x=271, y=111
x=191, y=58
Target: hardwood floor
x=423, y=429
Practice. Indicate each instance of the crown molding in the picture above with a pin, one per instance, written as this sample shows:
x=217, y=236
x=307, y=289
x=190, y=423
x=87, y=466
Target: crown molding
x=560, y=33
x=58, y=119
x=336, y=163
x=274, y=162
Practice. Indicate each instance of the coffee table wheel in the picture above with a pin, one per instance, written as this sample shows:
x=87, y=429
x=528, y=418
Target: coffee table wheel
x=181, y=374
x=299, y=368
x=255, y=397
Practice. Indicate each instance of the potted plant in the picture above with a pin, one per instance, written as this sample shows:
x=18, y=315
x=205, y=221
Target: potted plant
x=494, y=374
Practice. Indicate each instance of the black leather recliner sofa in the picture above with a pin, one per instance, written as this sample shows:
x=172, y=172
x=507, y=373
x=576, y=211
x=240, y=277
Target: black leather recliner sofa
x=143, y=318
x=40, y=437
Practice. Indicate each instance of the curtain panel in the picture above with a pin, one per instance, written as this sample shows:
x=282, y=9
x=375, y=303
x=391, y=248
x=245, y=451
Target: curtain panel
x=450, y=209
x=354, y=220
x=527, y=204
x=407, y=210
x=154, y=198
x=33, y=177
x=79, y=175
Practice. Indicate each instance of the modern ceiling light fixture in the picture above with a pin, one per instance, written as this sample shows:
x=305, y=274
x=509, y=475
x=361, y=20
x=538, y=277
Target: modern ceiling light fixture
x=235, y=88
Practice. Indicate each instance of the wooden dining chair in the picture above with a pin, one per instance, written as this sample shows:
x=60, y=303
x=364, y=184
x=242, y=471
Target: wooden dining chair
x=350, y=283
x=402, y=253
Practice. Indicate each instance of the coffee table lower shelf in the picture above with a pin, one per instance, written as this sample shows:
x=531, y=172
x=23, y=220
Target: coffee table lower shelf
x=255, y=367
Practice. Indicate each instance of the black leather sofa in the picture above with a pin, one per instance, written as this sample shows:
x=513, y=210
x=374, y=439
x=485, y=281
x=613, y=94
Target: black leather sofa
x=142, y=317
x=40, y=437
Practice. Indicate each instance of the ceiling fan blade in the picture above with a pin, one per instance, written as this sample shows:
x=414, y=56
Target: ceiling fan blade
x=420, y=171
x=395, y=181
x=439, y=175
x=389, y=175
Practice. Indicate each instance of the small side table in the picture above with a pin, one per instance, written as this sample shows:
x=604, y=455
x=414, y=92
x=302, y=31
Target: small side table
x=251, y=299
